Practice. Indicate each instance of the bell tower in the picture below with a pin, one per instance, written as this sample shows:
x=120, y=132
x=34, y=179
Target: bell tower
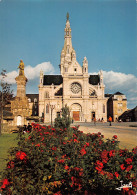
x=66, y=54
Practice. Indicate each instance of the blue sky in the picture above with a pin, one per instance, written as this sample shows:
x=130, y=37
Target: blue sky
x=102, y=30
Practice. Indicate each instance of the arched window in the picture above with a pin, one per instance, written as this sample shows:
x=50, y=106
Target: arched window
x=47, y=108
x=46, y=94
x=103, y=108
x=29, y=99
x=35, y=100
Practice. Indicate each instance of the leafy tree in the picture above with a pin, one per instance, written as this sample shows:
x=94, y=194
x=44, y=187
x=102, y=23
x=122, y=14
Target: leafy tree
x=5, y=95
x=64, y=120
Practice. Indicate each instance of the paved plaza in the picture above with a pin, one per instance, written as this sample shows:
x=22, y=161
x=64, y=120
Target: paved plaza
x=126, y=131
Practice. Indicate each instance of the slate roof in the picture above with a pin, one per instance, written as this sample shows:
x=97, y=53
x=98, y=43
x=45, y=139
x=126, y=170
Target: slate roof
x=58, y=79
x=33, y=96
x=94, y=79
x=55, y=79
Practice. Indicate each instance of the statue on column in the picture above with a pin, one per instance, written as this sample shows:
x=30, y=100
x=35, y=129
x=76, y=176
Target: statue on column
x=21, y=67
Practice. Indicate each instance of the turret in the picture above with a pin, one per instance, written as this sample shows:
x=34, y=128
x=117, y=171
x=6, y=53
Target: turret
x=101, y=77
x=41, y=78
x=85, y=66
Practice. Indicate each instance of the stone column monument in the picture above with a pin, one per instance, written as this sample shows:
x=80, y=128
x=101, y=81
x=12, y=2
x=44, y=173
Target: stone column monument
x=20, y=105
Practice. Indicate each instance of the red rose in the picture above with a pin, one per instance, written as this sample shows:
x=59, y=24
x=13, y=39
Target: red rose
x=83, y=151
x=57, y=193
x=122, y=167
x=37, y=145
x=66, y=167
x=54, y=148
x=61, y=161
x=10, y=165
x=128, y=161
x=116, y=174
x=115, y=136
x=21, y=155
x=5, y=183
x=129, y=168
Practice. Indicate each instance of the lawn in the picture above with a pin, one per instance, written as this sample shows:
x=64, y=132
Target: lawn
x=6, y=141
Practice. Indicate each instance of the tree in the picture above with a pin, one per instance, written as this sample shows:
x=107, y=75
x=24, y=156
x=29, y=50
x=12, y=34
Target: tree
x=5, y=95
x=64, y=120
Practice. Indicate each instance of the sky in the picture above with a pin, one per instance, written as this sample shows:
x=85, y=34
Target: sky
x=102, y=30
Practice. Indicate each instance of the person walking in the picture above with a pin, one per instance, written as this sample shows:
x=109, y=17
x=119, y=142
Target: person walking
x=110, y=120
x=94, y=121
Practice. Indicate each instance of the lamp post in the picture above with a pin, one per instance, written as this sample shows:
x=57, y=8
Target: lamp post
x=52, y=108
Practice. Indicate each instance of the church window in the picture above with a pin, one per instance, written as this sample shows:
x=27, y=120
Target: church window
x=85, y=69
x=103, y=108
x=47, y=108
x=46, y=94
x=66, y=69
x=35, y=100
x=75, y=88
x=75, y=70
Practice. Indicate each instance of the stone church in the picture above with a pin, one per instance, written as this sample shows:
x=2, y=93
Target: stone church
x=83, y=93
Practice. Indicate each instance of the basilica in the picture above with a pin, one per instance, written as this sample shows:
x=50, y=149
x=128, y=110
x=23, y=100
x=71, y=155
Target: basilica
x=83, y=93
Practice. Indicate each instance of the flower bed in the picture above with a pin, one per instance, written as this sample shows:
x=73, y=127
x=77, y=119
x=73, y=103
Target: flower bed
x=67, y=161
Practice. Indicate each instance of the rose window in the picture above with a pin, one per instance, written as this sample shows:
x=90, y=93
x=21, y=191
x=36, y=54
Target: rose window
x=75, y=88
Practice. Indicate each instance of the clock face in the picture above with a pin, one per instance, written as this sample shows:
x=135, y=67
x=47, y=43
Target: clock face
x=75, y=88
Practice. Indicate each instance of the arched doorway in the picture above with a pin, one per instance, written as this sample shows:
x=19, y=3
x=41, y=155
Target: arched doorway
x=19, y=120
x=76, y=111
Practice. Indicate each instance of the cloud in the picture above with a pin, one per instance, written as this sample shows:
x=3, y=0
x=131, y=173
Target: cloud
x=125, y=83
x=31, y=73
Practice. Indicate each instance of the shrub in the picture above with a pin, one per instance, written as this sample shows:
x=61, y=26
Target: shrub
x=64, y=120
x=67, y=161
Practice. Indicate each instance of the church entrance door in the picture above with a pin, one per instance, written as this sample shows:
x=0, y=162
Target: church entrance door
x=19, y=118
x=76, y=116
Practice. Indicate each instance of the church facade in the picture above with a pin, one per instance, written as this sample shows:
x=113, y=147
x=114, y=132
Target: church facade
x=83, y=93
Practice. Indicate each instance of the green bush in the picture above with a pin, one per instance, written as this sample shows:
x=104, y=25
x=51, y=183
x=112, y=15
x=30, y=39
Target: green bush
x=67, y=161
x=64, y=120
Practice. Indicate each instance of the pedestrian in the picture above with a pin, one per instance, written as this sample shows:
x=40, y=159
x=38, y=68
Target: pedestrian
x=95, y=121
x=110, y=120
x=29, y=127
x=24, y=128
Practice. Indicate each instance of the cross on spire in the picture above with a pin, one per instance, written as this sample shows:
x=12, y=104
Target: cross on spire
x=67, y=16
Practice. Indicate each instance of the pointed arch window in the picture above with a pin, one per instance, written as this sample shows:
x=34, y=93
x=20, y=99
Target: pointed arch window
x=46, y=94
x=47, y=108
x=103, y=108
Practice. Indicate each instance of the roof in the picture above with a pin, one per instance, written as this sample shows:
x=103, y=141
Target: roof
x=112, y=95
x=94, y=79
x=33, y=96
x=108, y=95
x=118, y=93
x=52, y=79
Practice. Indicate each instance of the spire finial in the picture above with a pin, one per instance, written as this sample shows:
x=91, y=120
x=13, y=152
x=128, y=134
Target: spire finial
x=67, y=16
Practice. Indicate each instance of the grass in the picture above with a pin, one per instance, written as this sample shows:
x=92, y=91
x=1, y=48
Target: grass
x=6, y=142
